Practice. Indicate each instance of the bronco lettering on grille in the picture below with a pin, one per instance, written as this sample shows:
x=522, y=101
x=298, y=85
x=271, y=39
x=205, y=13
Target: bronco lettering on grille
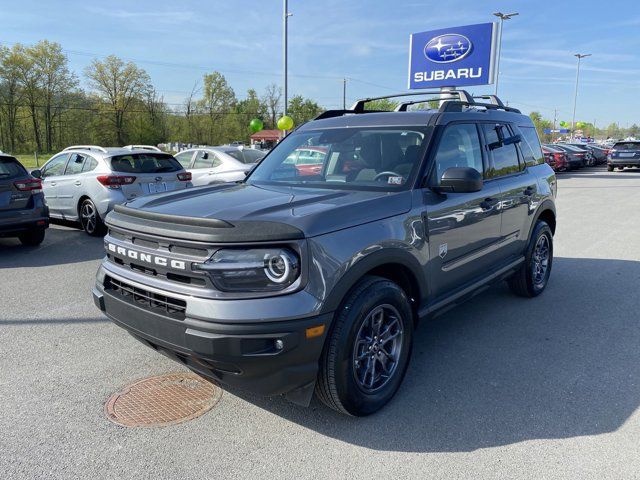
x=146, y=257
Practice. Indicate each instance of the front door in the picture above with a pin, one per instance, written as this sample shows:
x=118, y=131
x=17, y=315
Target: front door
x=70, y=186
x=462, y=228
x=52, y=173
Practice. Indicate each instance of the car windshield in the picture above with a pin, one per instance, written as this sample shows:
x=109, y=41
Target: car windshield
x=354, y=158
x=627, y=146
x=145, y=163
x=10, y=168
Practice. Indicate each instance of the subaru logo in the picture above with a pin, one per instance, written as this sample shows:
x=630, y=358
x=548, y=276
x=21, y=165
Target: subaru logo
x=447, y=48
x=158, y=179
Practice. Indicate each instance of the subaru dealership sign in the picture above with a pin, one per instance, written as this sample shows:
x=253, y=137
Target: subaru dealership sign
x=453, y=57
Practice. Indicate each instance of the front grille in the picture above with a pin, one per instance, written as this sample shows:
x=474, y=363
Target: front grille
x=161, y=304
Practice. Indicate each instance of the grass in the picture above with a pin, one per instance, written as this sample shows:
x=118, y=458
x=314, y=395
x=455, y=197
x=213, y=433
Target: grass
x=29, y=160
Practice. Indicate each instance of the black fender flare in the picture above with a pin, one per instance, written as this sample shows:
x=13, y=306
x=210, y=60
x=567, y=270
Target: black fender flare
x=364, y=265
x=544, y=206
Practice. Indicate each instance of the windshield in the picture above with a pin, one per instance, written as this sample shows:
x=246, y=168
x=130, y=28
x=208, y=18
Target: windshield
x=627, y=146
x=357, y=158
x=145, y=163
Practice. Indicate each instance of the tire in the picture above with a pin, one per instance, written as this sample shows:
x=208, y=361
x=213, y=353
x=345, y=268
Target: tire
x=90, y=219
x=32, y=238
x=346, y=382
x=529, y=281
x=609, y=168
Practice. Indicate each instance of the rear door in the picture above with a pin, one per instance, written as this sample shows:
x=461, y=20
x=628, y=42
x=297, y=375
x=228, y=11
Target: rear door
x=69, y=185
x=518, y=186
x=10, y=197
x=52, y=173
x=206, y=165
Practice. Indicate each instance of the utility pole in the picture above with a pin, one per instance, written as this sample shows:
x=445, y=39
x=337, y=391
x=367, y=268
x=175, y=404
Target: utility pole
x=344, y=93
x=579, y=56
x=285, y=20
x=502, y=17
x=555, y=119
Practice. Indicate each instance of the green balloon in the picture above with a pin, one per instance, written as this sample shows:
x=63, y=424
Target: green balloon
x=285, y=123
x=256, y=125
x=564, y=124
x=580, y=124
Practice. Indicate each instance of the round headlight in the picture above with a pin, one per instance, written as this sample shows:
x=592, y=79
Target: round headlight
x=278, y=267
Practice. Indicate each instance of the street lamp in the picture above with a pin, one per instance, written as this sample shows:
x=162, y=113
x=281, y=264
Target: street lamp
x=579, y=56
x=285, y=20
x=502, y=17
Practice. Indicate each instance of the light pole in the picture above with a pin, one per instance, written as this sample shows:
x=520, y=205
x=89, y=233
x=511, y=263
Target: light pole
x=502, y=17
x=579, y=56
x=285, y=20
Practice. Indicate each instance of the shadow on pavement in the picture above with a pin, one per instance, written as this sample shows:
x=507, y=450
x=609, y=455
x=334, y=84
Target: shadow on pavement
x=60, y=246
x=502, y=369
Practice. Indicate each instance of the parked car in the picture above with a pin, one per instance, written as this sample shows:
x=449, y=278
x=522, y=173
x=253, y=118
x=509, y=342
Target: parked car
x=556, y=158
x=576, y=157
x=211, y=165
x=289, y=285
x=308, y=161
x=84, y=182
x=624, y=154
x=142, y=147
x=601, y=153
x=589, y=156
x=23, y=213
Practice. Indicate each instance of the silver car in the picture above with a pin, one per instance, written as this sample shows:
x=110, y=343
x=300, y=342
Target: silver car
x=210, y=165
x=83, y=183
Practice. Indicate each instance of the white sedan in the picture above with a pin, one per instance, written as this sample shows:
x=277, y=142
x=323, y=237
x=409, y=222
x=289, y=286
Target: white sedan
x=211, y=165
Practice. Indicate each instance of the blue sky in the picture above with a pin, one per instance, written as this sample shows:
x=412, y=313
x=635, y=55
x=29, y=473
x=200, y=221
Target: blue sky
x=366, y=41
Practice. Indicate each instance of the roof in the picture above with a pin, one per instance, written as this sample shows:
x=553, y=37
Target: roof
x=267, y=135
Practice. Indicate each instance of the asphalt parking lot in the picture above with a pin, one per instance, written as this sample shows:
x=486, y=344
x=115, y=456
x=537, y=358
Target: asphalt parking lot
x=501, y=387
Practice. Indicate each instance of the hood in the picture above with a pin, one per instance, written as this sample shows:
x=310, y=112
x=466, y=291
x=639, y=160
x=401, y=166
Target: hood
x=313, y=211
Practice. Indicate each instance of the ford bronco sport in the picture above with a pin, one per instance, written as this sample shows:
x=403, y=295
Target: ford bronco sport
x=295, y=281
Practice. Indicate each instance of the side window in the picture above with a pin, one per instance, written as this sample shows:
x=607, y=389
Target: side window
x=204, y=160
x=76, y=162
x=184, y=158
x=504, y=157
x=459, y=147
x=292, y=158
x=90, y=164
x=55, y=166
x=530, y=146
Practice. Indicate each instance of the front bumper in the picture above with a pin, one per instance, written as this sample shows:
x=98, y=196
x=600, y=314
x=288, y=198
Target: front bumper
x=265, y=357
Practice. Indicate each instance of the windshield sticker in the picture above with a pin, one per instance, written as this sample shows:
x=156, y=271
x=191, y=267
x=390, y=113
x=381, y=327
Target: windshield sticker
x=395, y=180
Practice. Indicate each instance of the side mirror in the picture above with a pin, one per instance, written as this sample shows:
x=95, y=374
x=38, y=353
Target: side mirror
x=37, y=173
x=461, y=180
x=205, y=155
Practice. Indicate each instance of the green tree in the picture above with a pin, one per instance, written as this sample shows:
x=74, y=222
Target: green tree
x=272, y=100
x=31, y=79
x=302, y=109
x=385, y=105
x=10, y=95
x=118, y=84
x=218, y=100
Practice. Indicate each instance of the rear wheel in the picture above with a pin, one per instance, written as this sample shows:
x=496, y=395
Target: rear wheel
x=609, y=168
x=532, y=277
x=32, y=238
x=368, y=350
x=90, y=219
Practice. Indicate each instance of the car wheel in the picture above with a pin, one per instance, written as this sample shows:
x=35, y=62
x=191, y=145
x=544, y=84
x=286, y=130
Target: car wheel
x=532, y=277
x=90, y=219
x=368, y=349
x=609, y=168
x=32, y=238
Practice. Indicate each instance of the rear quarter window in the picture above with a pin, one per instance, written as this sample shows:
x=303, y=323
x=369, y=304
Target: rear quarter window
x=11, y=168
x=530, y=146
x=145, y=163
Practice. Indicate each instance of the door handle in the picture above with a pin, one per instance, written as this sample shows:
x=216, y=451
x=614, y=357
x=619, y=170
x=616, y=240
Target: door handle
x=488, y=203
x=77, y=182
x=53, y=184
x=529, y=191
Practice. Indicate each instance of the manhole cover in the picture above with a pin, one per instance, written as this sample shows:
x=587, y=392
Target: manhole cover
x=163, y=400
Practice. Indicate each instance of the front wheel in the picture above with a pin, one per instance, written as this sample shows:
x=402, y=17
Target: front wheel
x=90, y=219
x=532, y=277
x=368, y=349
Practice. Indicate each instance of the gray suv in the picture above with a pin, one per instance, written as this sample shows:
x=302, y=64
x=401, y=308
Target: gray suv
x=23, y=213
x=303, y=280
x=84, y=182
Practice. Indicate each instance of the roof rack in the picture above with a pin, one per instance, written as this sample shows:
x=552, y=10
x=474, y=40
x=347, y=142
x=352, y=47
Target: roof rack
x=85, y=147
x=452, y=101
x=142, y=147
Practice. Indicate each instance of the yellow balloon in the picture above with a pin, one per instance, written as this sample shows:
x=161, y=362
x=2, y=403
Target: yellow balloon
x=285, y=123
